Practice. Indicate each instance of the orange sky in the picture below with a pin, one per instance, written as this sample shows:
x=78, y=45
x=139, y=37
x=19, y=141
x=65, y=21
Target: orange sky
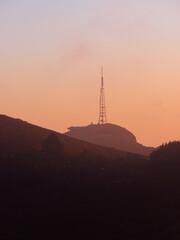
x=50, y=58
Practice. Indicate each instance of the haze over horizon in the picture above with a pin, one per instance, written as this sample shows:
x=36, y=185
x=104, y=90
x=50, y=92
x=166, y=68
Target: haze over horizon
x=52, y=51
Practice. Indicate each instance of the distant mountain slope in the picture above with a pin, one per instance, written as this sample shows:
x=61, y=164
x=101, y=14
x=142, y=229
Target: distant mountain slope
x=109, y=135
x=19, y=136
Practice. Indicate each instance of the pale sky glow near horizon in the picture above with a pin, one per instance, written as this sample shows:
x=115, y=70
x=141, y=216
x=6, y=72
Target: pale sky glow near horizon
x=51, y=53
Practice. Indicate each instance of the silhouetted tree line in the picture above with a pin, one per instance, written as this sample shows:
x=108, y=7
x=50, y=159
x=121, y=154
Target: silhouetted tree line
x=165, y=164
x=167, y=153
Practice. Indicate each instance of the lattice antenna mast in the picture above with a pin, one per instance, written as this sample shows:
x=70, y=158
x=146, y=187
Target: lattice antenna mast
x=102, y=106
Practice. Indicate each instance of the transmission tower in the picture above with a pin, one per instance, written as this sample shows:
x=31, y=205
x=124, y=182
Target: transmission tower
x=102, y=106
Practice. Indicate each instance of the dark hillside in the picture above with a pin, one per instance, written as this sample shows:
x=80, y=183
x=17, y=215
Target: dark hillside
x=44, y=196
x=49, y=194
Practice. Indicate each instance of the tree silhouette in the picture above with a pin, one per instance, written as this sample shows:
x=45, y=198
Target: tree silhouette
x=52, y=146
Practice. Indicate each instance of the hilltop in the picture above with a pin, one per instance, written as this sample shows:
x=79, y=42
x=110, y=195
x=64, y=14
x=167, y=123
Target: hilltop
x=109, y=135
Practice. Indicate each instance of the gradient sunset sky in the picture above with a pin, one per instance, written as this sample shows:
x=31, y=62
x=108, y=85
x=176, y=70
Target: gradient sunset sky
x=51, y=52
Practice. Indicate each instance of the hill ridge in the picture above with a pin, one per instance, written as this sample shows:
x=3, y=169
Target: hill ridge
x=17, y=135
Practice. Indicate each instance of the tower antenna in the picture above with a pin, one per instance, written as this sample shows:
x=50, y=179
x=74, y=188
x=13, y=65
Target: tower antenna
x=102, y=106
x=102, y=80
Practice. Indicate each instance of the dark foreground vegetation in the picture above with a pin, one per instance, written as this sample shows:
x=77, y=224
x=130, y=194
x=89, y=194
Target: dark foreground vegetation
x=46, y=194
